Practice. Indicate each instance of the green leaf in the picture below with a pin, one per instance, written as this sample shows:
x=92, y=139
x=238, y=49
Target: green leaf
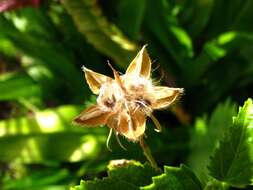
x=6, y=47
x=226, y=68
x=205, y=136
x=32, y=21
x=49, y=136
x=164, y=26
x=235, y=15
x=195, y=14
x=214, y=50
x=14, y=86
x=105, y=36
x=122, y=174
x=39, y=180
x=175, y=178
x=130, y=16
x=232, y=161
x=30, y=33
x=243, y=21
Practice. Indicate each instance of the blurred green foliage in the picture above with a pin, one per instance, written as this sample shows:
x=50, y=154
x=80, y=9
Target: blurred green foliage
x=204, y=46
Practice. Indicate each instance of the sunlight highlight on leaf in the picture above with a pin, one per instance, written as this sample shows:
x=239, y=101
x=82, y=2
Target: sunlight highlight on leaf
x=48, y=122
x=232, y=161
x=227, y=37
x=205, y=136
x=49, y=135
x=89, y=147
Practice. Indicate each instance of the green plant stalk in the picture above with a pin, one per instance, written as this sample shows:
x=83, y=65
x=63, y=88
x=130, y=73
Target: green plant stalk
x=147, y=153
x=102, y=34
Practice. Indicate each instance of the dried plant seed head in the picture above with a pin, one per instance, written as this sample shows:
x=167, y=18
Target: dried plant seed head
x=125, y=102
x=141, y=64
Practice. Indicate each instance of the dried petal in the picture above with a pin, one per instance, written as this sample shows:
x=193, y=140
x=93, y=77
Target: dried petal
x=95, y=80
x=158, y=127
x=117, y=77
x=141, y=65
x=92, y=116
x=132, y=127
x=165, y=96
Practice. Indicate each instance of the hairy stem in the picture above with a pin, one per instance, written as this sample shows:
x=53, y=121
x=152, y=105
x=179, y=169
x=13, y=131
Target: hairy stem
x=147, y=152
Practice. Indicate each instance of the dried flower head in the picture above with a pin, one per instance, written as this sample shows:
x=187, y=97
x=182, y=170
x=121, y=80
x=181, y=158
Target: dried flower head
x=125, y=102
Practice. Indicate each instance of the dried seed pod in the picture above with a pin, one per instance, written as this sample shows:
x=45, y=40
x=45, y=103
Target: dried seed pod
x=125, y=102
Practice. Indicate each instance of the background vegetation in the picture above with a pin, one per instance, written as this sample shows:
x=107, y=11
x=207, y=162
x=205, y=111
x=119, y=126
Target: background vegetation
x=204, y=46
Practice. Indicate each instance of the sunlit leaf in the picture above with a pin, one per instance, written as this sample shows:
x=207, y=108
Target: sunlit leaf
x=40, y=44
x=175, y=178
x=167, y=30
x=39, y=180
x=14, y=86
x=205, y=136
x=122, y=174
x=216, y=49
x=105, y=36
x=48, y=136
x=232, y=161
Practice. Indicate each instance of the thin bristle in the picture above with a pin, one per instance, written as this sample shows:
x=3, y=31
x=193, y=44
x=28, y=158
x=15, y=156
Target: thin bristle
x=108, y=140
x=158, y=127
x=84, y=68
x=118, y=140
x=181, y=91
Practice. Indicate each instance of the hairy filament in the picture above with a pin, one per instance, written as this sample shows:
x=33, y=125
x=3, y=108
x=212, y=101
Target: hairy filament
x=118, y=140
x=108, y=140
x=156, y=122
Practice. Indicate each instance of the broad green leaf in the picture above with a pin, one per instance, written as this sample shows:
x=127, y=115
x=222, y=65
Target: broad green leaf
x=42, y=179
x=105, y=36
x=205, y=136
x=175, y=178
x=232, y=161
x=122, y=174
x=49, y=136
x=14, y=86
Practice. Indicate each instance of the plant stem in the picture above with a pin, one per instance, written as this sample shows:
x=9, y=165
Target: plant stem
x=147, y=152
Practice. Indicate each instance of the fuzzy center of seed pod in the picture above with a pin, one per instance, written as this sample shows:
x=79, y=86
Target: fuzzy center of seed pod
x=110, y=96
x=136, y=85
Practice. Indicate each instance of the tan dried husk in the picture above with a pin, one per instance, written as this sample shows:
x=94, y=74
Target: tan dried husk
x=125, y=102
